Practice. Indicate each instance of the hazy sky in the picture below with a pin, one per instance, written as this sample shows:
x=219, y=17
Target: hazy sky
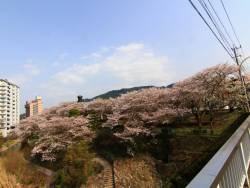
x=60, y=48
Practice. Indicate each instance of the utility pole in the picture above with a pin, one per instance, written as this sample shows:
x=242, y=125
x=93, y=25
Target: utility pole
x=239, y=64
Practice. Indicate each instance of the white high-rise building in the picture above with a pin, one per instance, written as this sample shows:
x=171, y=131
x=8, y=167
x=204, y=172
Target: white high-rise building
x=9, y=106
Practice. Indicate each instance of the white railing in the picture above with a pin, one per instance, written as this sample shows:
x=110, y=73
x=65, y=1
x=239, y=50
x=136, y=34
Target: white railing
x=229, y=166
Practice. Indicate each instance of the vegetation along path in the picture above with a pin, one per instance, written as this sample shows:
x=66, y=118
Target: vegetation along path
x=108, y=172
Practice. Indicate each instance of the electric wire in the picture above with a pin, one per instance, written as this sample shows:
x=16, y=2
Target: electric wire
x=218, y=17
x=210, y=28
x=217, y=27
x=233, y=28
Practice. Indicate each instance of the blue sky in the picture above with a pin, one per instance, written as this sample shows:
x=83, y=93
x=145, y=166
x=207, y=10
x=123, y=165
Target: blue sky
x=59, y=49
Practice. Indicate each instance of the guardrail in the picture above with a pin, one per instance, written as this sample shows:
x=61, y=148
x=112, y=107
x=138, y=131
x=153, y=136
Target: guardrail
x=229, y=166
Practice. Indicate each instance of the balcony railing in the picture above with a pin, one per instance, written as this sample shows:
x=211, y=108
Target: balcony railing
x=229, y=166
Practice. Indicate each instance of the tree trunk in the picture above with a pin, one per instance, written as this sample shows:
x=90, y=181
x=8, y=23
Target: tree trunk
x=231, y=109
x=211, y=119
x=197, y=115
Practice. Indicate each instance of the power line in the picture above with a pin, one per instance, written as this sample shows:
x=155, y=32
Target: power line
x=205, y=21
x=234, y=31
x=233, y=28
x=225, y=29
x=217, y=27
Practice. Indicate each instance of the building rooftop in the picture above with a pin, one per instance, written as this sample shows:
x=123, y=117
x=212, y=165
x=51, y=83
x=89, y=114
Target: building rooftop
x=35, y=100
x=6, y=81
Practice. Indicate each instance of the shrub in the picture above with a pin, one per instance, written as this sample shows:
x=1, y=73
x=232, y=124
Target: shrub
x=74, y=112
x=118, y=129
x=198, y=131
x=2, y=140
x=96, y=121
x=204, y=131
x=178, y=181
x=77, y=166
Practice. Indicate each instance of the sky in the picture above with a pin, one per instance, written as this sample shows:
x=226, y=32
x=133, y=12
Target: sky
x=59, y=49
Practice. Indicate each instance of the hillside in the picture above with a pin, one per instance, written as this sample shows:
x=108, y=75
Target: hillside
x=168, y=124
x=119, y=92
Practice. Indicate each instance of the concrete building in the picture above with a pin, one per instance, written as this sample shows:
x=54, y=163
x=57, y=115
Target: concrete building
x=9, y=106
x=34, y=107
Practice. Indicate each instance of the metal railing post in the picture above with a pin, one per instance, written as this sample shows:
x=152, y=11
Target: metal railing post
x=244, y=164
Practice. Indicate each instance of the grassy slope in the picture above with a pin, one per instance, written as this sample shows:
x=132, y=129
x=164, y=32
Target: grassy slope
x=191, y=152
x=7, y=180
x=136, y=172
x=17, y=171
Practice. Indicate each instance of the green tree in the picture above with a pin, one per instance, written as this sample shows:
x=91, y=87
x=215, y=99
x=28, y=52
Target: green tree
x=77, y=166
x=74, y=112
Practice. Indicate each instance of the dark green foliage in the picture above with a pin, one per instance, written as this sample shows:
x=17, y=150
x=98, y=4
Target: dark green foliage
x=157, y=146
x=118, y=129
x=53, y=165
x=200, y=131
x=160, y=148
x=142, y=143
x=96, y=121
x=178, y=181
x=74, y=112
x=33, y=138
x=108, y=145
x=77, y=166
x=2, y=140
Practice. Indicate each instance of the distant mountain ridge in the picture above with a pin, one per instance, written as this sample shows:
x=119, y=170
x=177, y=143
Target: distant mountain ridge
x=119, y=92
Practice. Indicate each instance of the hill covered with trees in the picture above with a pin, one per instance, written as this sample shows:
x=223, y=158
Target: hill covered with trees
x=156, y=122
x=119, y=92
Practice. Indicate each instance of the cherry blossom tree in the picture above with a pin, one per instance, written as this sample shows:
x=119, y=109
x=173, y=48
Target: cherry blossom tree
x=53, y=133
x=207, y=90
x=139, y=112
